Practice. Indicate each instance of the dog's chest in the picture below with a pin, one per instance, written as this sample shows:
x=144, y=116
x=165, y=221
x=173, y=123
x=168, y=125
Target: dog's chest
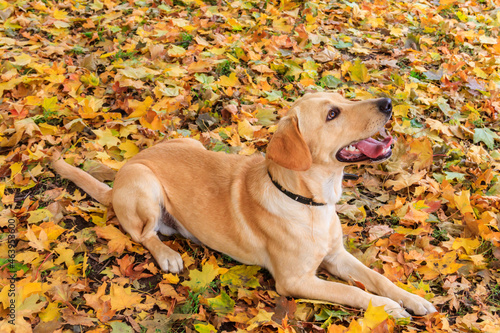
x=317, y=224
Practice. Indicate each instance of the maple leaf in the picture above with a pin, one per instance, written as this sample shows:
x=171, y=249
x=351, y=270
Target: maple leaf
x=423, y=149
x=485, y=135
x=107, y=138
x=50, y=313
x=199, y=280
x=122, y=298
x=468, y=244
x=440, y=266
x=40, y=243
x=118, y=242
x=230, y=81
x=262, y=318
x=222, y=303
x=405, y=179
x=240, y=276
x=155, y=71
x=462, y=201
x=359, y=72
x=374, y=315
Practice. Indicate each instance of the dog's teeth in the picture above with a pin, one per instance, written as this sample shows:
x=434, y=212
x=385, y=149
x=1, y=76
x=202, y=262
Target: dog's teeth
x=352, y=149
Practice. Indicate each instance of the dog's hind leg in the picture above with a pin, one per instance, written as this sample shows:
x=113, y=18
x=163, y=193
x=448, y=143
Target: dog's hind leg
x=137, y=202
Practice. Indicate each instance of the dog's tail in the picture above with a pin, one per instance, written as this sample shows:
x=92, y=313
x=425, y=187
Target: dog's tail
x=97, y=190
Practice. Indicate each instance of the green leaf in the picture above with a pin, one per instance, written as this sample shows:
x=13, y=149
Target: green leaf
x=327, y=313
x=204, y=78
x=485, y=135
x=273, y=95
x=240, y=276
x=222, y=304
x=119, y=327
x=330, y=81
x=342, y=45
x=454, y=175
x=205, y=328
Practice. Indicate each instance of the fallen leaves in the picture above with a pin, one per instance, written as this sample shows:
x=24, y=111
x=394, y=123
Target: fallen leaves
x=106, y=80
x=118, y=241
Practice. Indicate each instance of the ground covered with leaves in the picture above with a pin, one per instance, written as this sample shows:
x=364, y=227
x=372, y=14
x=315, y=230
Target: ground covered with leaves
x=103, y=80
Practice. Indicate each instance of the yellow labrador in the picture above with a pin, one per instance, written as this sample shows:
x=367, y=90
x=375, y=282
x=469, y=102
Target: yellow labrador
x=276, y=211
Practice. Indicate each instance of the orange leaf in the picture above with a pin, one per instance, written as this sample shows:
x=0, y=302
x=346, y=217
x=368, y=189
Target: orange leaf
x=117, y=240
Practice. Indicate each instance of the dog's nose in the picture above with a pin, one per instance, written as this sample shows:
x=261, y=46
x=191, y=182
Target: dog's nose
x=385, y=105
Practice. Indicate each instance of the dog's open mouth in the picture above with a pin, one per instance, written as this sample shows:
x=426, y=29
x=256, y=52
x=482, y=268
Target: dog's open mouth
x=367, y=149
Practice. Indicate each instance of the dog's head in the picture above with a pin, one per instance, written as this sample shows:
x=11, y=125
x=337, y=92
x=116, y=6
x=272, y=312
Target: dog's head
x=327, y=129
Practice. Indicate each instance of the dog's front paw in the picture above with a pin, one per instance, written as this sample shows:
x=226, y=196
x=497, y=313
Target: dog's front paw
x=390, y=306
x=171, y=262
x=417, y=305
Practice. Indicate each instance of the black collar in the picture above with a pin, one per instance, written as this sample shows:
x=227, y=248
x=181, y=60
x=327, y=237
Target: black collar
x=296, y=197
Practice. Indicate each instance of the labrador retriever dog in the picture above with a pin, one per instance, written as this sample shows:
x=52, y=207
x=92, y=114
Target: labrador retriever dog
x=276, y=211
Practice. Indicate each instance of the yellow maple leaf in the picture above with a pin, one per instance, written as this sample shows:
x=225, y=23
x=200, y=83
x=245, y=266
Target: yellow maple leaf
x=50, y=313
x=398, y=32
x=374, y=315
x=122, y=298
x=170, y=278
x=118, y=242
x=59, y=14
x=22, y=60
x=134, y=73
x=47, y=129
x=263, y=317
x=462, y=201
x=423, y=149
x=230, y=81
x=245, y=130
x=354, y=327
x=467, y=243
x=140, y=107
x=74, y=270
x=15, y=168
x=28, y=288
x=281, y=25
x=27, y=257
x=106, y=138
x=53, y=230
x=200, y=280
x=359, y=72
x=401, y=110
x=128, y=148
x=437, y=266
x=65, y=255
x=155, y=124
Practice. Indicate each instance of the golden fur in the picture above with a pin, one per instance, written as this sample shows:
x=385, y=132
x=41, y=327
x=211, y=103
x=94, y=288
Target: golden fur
x=229, y=203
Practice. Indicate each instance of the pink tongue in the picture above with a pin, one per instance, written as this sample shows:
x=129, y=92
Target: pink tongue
x=373, y=148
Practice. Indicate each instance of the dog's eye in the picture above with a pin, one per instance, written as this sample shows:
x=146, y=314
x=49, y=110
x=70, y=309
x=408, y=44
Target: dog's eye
x=333, y=113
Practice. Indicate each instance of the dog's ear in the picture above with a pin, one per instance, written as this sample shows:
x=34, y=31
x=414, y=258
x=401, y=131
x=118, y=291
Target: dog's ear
x=288, y=148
